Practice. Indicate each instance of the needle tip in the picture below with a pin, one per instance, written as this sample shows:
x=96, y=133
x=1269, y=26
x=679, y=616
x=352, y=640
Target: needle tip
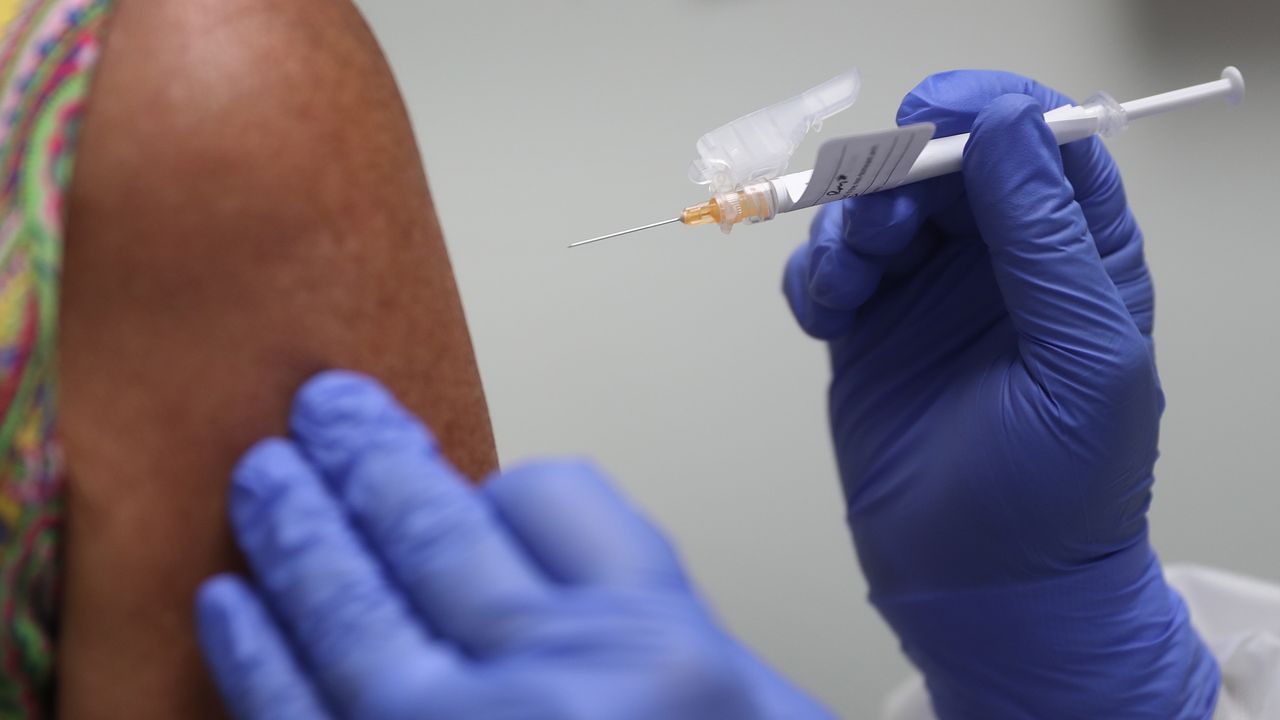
x=625, y=232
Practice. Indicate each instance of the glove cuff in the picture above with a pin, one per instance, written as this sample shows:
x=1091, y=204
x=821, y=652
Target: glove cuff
x=1110, y=639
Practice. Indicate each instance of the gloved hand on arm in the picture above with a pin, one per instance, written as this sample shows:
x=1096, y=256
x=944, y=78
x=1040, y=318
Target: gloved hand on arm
x=389, y=589
x=995, y=409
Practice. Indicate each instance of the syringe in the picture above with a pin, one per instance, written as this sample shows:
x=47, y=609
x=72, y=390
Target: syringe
x=765, y=199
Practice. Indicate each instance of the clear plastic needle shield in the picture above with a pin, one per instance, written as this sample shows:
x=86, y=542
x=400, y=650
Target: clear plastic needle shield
x=760, y=145
x=742, y=162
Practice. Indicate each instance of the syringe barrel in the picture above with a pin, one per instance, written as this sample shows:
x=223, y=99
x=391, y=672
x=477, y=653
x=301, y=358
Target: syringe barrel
x=940, y=156
x=943, y=156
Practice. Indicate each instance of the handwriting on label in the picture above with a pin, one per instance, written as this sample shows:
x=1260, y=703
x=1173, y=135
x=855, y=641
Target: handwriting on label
x=861, y=164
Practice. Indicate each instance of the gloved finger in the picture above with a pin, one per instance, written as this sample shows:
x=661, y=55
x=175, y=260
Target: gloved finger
x=352, y=627
x=840, y=278
x=580, y=529
x=1071, y=320
x=853, y=244
x=884, y=232
x=249, y=658
x=1100, y=194
x=951, y=100
x=818, y=320
x=883, y=224
x=438, y=536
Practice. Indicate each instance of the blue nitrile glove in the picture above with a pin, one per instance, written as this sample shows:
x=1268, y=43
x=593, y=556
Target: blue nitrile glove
x=995, y=409
x=387, y=588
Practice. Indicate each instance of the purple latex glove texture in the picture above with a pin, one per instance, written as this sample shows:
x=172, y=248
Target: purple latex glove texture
x=995, y=410
x=388, y=588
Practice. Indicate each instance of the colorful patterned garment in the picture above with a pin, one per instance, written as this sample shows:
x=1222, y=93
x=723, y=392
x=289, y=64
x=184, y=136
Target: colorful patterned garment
x=47, y=51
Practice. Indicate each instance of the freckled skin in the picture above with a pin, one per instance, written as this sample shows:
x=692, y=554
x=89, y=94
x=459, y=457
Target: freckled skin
x=248, y=208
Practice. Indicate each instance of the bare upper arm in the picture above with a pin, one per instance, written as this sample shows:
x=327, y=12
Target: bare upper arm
x=248, y=208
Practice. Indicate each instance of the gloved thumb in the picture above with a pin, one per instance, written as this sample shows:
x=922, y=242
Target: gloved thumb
x=580, y=529
x=1074, y=330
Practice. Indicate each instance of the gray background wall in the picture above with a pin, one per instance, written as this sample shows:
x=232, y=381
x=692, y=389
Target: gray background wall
x=671, y=357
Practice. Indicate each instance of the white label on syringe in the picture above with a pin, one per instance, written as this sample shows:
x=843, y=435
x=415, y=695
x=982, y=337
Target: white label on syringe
x=861, y=164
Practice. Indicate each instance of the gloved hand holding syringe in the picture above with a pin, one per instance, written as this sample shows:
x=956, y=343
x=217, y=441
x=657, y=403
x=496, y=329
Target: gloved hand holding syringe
x=742, y=161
